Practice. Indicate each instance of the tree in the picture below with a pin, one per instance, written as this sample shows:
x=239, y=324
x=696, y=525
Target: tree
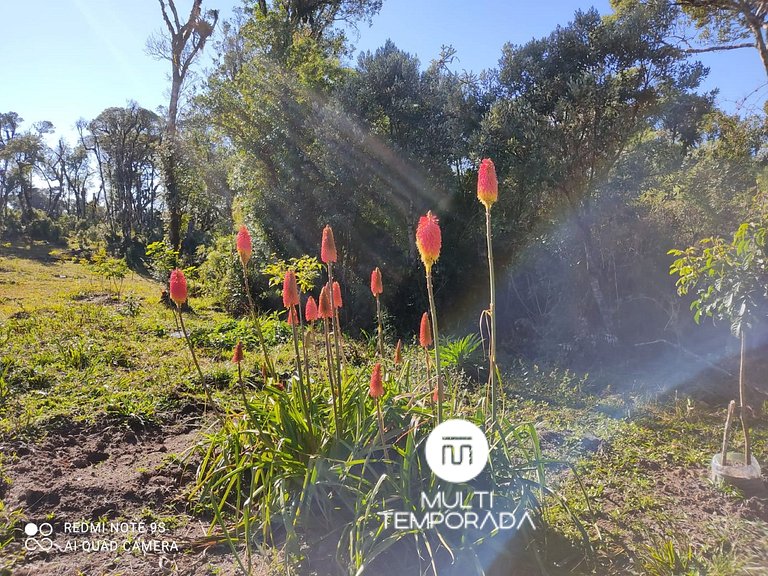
x=731, y=284
x=9, y=125
x=269, y=97
x=124, y=142
x=20, y=155
x=730, y=24
x=567, y=108
x=182, y=44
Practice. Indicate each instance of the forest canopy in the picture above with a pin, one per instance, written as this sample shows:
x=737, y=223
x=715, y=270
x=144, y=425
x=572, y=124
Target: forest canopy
x=608, y=151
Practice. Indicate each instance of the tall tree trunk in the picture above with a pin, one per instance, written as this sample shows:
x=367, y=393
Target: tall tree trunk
x=186, y=40
x=743, y=408
x=173, y=195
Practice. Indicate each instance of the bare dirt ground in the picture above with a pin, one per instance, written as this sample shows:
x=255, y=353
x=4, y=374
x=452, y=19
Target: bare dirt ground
x=130, y=482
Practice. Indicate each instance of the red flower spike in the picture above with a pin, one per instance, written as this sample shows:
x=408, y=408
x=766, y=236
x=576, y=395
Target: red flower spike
x=337, y=301
x=328, y=246
x=399, y=353
x=293, y=318
x=290, y=290
x=310, y=311
x=425, y=332
x=178, y=287
x=244, y=247
x=428, y=239
x=376, y=389
x=237, y=356
x=487, y=184
x=376, y=287
x=435, y=395
x=324, y=309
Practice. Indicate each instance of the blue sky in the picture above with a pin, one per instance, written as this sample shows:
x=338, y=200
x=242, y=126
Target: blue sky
x=67, y=59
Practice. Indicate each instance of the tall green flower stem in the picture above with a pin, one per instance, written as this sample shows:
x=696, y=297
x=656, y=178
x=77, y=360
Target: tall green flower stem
x=334, y=401
x=257, y=324
x=194, y=356
x=436, y=339
x=381, y=428
x=242, y=391
x=381, y=329
x=492, y=314
x=336, y=334
x=309, y=342
x=299, y=370
x=303, y=336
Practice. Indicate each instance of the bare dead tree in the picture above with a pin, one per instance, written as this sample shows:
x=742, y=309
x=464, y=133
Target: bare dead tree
x=181, y=45
x=734, y=23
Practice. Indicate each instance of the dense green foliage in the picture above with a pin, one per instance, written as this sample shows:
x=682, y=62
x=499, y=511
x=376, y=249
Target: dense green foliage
x=608, y=154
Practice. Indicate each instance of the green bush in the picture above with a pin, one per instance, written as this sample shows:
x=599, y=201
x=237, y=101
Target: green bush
x=220, y=274
x=41, y=227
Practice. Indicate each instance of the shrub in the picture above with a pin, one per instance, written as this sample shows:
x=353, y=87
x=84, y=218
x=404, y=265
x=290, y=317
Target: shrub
x=41, y=227
x=111, y=270
x=221, y=276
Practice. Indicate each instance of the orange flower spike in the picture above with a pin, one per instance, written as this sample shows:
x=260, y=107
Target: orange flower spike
x=290, y=290
x=237, y=356
x=310, y=310
x=328, y=246
x=324, y=309
x=337, y=301
x=376, y=286
x=376, y=389
x=399, y=353
x=487, y=184
x=293, y=318
x=178, y=287
x=428, y=239
x=425, y=332
x=244, y=246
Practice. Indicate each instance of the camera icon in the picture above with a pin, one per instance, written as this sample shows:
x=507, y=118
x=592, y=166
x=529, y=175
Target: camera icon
x=44, y=543
x=457, y=451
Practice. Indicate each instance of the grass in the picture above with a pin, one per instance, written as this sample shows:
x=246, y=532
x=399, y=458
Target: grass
x=70, y=351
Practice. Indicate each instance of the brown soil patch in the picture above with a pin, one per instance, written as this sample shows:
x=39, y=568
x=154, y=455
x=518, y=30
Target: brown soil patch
x=108, y=476
x=681, y=505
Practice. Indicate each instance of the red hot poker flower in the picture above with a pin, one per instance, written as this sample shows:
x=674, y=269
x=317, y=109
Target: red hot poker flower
x=178, y=287
x=425, y=332
x=293, y=318
x=324, y=309
x=376, y=286
x=337, y=302
x=399, y=353
x=487, y=184
x=428, y=239
x=328, y=246
x=244, y=247
x=290, y=290
x=237, y=356
x=376, y=389
x=310, y=310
